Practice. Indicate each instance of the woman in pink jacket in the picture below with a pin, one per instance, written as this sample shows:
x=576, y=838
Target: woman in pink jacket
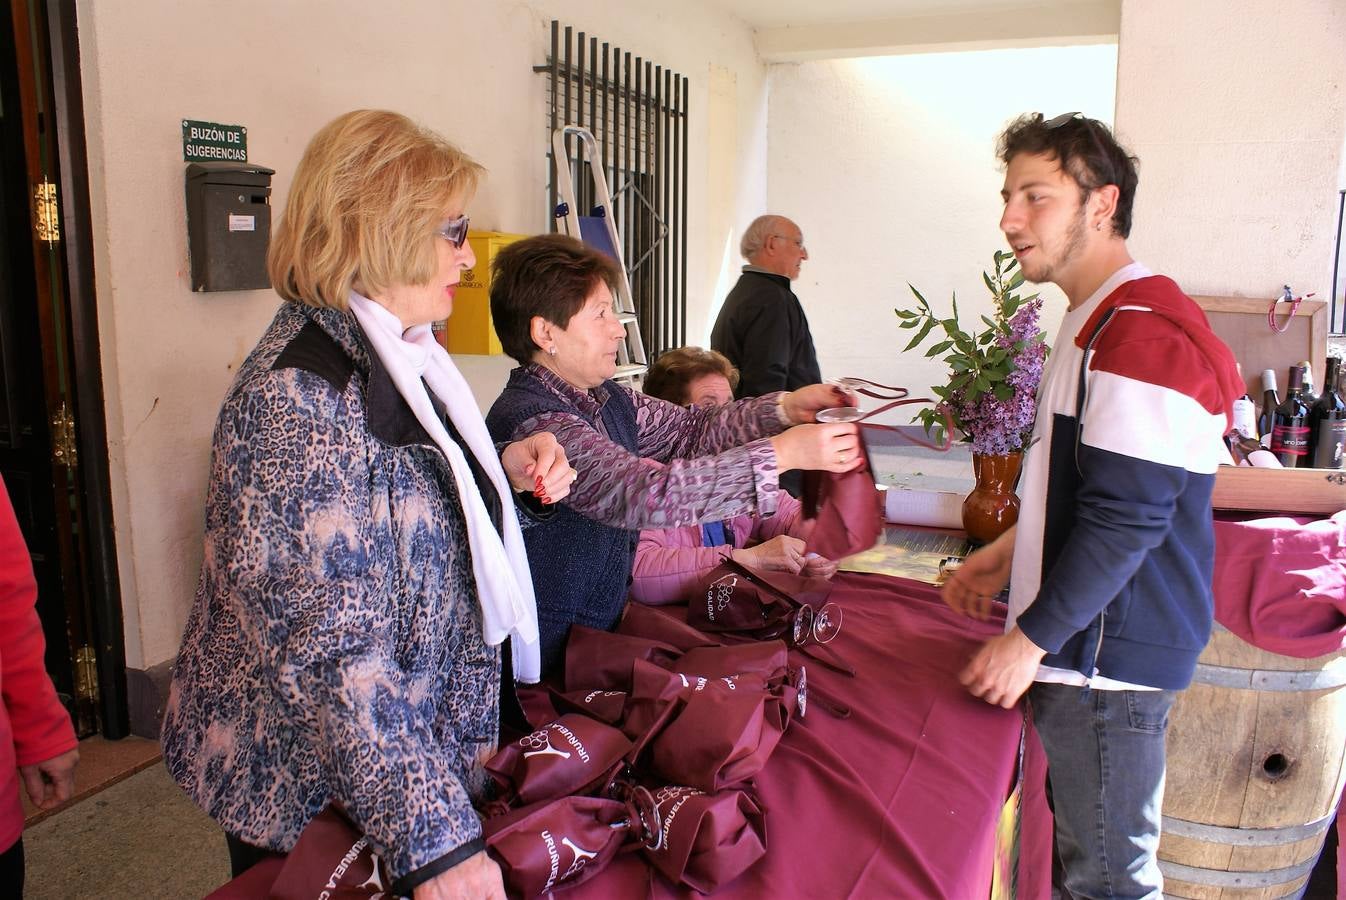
x=670, y=562
x=37, y=742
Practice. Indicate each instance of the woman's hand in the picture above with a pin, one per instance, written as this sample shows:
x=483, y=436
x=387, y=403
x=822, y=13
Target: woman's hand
x=475, y=878
x=780, y=554
x=52, y=781
x=833, y=448
x=981, y=577
x=538, y=464
x=802, y=405
x=816, y=566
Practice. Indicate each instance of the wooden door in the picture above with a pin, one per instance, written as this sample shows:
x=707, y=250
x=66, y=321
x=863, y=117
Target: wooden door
x=39, y=409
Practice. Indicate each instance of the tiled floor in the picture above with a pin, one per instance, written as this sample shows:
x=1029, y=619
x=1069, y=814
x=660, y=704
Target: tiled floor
x=139, y=838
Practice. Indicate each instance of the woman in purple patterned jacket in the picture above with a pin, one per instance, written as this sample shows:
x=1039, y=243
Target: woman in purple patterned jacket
x=363, y=557
x=642, y=462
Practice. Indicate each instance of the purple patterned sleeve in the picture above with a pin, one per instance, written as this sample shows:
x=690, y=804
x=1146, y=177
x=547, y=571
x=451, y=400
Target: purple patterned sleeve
x=693, y=465
x=668, y=431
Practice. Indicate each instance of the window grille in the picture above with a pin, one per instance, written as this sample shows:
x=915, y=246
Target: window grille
x=637, y=112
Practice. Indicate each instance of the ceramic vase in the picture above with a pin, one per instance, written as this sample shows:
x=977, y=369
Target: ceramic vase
x=992, y=507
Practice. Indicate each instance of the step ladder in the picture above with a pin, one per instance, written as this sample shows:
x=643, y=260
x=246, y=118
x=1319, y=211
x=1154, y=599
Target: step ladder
x=599, y=231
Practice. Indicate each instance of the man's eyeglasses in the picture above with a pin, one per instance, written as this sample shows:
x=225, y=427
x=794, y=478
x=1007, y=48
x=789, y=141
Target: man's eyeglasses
x=798, y=242
x=454, y=231
x=1104, y=177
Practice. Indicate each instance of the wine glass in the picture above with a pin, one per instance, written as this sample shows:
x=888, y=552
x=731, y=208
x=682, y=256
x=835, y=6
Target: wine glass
x=799, y=680
x=826, y=622
x=844, y=387
x=817, y=625
x=839, y=414
x=801, y=623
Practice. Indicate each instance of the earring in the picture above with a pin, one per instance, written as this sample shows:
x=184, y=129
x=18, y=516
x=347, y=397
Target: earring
x=1098, y=226
x=552, y=350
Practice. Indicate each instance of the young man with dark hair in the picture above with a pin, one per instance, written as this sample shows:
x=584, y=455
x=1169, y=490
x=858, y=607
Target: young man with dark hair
x=1109, y=567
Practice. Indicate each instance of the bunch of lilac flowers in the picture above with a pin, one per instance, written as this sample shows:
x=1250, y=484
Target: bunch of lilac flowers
x=994, y=373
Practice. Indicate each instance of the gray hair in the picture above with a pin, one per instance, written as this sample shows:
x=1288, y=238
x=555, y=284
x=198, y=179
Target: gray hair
x=756, y=234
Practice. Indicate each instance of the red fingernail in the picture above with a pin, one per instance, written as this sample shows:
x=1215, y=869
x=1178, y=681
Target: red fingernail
x=546, y=499
x=538, y=481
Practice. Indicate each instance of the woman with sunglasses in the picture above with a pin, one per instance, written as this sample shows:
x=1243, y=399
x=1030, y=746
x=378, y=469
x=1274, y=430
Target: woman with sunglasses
x=364, y=563
x=642, y=462
x=671, y=562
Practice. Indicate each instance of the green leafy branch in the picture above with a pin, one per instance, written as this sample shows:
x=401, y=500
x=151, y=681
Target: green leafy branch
x=977, y=365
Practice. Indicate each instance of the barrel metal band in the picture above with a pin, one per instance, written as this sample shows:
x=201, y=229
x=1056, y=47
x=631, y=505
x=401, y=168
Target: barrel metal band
x=1219, y=878
x=1332, y=675
x=1247, y=837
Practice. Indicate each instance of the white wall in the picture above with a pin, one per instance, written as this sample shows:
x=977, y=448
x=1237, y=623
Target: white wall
x=888, y=164
x=1237, y=109
x=283, y=68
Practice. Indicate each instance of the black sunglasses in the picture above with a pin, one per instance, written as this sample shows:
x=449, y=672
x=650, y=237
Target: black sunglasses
x=1056, y=122
x=454, y=231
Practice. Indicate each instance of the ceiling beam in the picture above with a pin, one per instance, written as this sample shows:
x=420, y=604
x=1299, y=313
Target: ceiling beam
x=1095, y=22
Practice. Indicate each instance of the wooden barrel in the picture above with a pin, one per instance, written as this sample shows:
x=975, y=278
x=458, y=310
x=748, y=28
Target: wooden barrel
x=1256, y=763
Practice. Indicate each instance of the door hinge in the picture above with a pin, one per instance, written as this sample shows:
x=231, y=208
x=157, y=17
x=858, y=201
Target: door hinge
x=46, y=213
x=86, y=674
x=63, y=438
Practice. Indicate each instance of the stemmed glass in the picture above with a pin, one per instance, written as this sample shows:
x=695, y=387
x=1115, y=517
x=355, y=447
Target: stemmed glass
x=642, y=810
x=807, y=693
x=799, y=680
x=849, y=413
x=807, y=624
x=804, y=623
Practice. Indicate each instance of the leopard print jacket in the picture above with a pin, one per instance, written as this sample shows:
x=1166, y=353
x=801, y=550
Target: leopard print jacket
x=334, y=652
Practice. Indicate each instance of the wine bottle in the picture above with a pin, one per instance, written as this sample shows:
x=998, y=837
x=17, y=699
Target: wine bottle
x=1327, y=421
x=1245, y=417
x=1270, y=400
x=1309, y=396
x=1290, y=424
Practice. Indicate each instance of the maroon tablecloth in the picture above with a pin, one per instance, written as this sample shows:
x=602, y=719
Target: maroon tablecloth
x=1280, y=582
x=901, y=799
x=1280, y=585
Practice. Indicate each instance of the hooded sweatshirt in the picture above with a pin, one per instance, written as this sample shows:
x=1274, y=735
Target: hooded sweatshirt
x=1114, y=552
x=34, y=726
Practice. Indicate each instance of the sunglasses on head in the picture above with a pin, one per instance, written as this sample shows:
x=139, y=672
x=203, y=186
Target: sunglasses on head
x=1088, y=124
x=1056, y=122
x=454, y=231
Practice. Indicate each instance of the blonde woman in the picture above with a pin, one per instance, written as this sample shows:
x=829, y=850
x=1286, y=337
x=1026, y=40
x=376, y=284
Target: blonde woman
x=364, y=565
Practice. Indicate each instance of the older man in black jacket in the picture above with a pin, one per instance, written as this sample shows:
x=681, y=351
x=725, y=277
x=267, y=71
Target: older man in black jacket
x=762, y=327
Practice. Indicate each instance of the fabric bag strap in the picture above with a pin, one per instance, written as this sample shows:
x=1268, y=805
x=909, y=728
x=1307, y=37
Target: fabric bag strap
x=897, y=396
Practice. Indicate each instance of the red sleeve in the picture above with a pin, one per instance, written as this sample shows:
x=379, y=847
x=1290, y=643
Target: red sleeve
x=41, y=727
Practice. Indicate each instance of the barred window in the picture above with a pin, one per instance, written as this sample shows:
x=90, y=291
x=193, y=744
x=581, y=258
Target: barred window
x=637, y=112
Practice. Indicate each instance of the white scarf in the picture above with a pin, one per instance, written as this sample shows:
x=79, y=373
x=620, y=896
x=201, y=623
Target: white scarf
x=504, y=582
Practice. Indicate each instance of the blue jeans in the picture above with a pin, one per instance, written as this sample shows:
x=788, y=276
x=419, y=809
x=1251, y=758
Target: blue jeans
x=1105, y=758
